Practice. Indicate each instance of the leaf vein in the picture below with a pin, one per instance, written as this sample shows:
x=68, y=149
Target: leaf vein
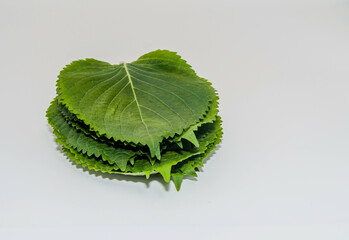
x=94, y=87
x=157, y=114
x=139, y=109
x=161, y=74
x=163, y=104
x=168, y=92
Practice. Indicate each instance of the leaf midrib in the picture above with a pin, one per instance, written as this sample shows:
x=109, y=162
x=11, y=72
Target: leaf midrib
x=136, y=100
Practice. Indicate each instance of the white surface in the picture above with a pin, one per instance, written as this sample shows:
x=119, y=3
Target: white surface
x=282, y=74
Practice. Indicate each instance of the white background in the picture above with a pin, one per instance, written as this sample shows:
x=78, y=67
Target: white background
x=282, y=72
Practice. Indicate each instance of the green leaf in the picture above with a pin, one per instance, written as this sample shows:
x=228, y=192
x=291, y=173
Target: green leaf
x=179, y=144
x=89, y=162
x=190, y=136
x=145, y=101
x=207, y=134
x=189, y=166
x=165, y=171
x=209, y=117
x=180, y=162
x=76, y=139
x=131, y=118
x=177, y=179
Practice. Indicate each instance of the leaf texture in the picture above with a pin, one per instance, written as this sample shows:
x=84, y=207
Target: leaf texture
x=141, y=102
x=76, y=139
x=153, y=115
x=210, y=137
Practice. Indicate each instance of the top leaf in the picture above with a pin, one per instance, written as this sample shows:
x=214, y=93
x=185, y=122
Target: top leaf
x=155, y=97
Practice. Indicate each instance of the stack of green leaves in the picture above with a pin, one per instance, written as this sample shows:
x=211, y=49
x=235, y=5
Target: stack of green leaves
x=154, y=115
